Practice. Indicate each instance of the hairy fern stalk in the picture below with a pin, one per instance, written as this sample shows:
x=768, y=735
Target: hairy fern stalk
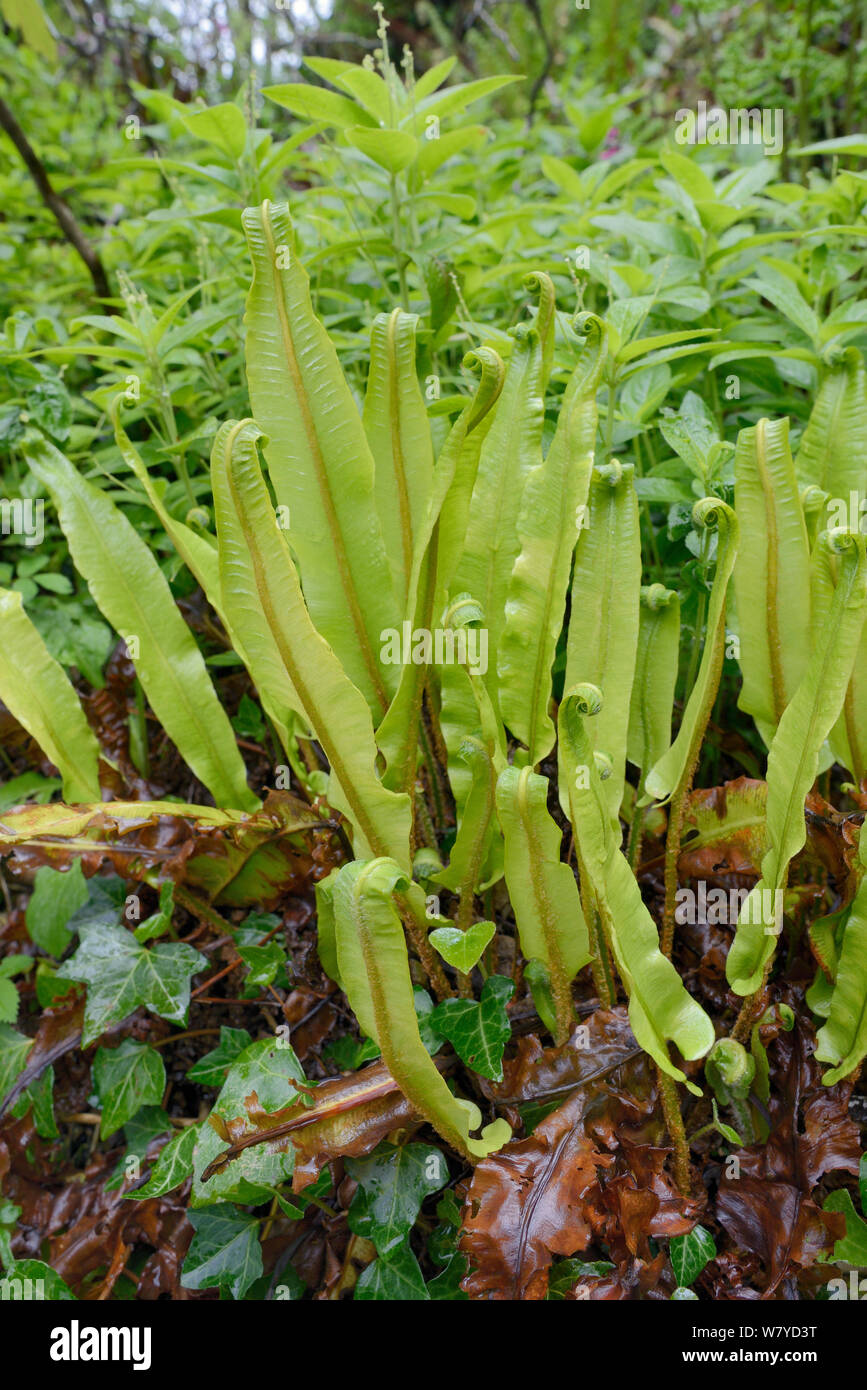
x=399, y=599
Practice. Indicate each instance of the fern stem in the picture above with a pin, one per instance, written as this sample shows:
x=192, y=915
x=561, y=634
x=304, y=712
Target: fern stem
x=676, y=1131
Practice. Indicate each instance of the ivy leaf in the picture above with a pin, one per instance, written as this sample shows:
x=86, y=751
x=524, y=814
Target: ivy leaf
x=395, y=1279
x=105, y=901
x=126, y=1077
x=174, y=1165
x=248, y=722
x=225, y=1252
x=853, y=1247
x=146, y=1125
x=391, y=1188
x=159, y=922
x=266, y=1067
x=564, y=1275
x=462, y=949
x=350, y=1053
x=39, y=1282
x=211, y=1069
x=8, y=1001
x=681, y=1295
x=263, y=963
x=447, y=1284
x=690, y=1253
x=39, y=1095
x=14, y=1047
x=478, y=1032
x=424, y=1012
x=56, y=897
x=539, y=980
x=121, y=975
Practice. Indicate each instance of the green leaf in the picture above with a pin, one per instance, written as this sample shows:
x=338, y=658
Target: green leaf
x=833, y=448
x=392, y=150
x=548, y=524
x=263, y=963
x=690, y=1253
x=510, y=450
x=348, y=1054
x=318, y=104
x=793, y=760
x=222, y=125
x=436, y=548
x=173, y=1166
x=684, y=1296
x=125, y=1078
x=159, y=922
x=318, y=457
x=14, y=1048
x=603, y=628
x=121, y=976
x=374, y=972
x=36, y=690
x=656, y=662
x=397, y=1279
x=129, y=587
x=211, y=1069
x=56, y=897
x=842, y=1039
x=463, y=949
x=669, y=771
x=147, y=1124
x=38, y=1282
x=774, y=285
x=450, y=100
x=9, y=1002
x=660, y=1007
x=224, y=1253
x=267, y=1067
x=542, y=889
x=391, y=1188
x=479, y=1031
x=475, y=845
x=29, y=17
x=262, y=596
x=771, y=574
x=852, y=1249
x=397, y=430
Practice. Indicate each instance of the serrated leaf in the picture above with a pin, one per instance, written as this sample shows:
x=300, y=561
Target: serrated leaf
x=14, y=1047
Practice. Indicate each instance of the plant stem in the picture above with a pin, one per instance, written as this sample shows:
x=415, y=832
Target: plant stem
x=397, y=236
x=676, y=1131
